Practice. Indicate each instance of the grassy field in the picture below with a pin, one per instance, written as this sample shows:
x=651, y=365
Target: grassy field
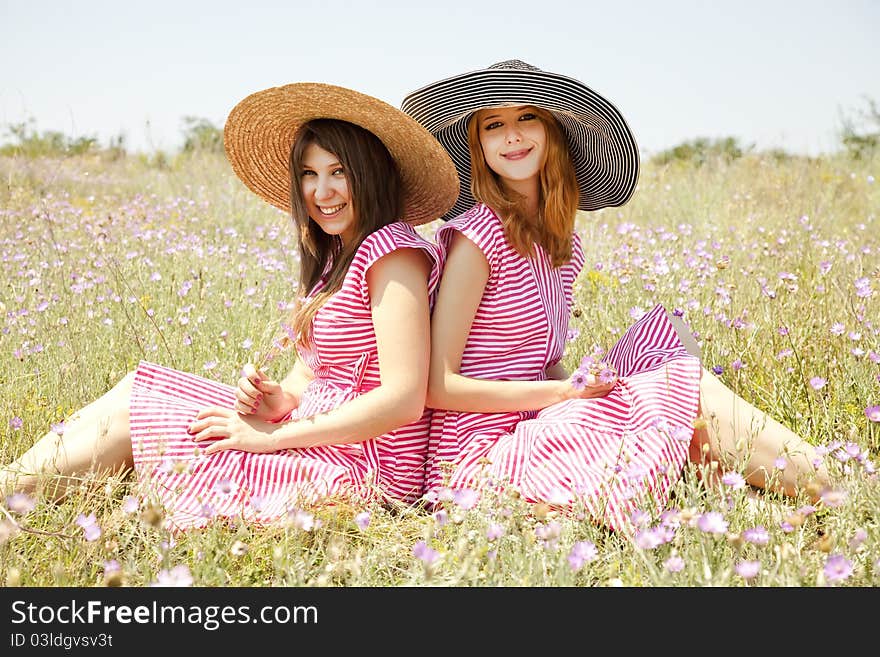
x=775, y=263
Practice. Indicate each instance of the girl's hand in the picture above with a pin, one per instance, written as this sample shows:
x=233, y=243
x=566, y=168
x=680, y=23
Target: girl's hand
x=585, y=384
x=231, y=430
x=260, y=397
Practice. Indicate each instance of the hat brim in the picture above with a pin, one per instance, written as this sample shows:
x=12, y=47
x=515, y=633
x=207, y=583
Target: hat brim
x=602, y=146
x=260, y=130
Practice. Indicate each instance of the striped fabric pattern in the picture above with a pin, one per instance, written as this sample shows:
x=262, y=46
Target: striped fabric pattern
x=608, y=456
x=261, y=488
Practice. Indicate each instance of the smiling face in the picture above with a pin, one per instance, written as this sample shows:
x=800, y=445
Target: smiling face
x=514, y=143
x=326, y=193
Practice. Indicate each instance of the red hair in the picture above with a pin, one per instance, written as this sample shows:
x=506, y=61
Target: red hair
x=557, y=203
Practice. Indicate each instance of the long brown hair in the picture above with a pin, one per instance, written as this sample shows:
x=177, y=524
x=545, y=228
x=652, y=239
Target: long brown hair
x=376, y=192
x=557, y=204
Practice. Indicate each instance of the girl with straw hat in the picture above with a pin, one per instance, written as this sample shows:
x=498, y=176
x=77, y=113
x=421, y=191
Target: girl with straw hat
x=356, y=174
x=531, y=148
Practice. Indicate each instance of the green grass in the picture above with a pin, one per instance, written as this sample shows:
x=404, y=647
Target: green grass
x=105, y=262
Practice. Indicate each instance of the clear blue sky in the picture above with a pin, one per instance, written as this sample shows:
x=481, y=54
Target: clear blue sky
x=771, y=72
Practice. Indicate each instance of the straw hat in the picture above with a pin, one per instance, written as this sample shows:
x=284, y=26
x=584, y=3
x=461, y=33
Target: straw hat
x=260, y=130
x=602, y=147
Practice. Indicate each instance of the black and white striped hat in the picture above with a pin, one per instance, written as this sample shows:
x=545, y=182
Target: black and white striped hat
x=602, y=147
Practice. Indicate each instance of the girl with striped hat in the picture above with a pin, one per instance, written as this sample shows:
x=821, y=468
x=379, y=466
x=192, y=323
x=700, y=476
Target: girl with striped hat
x=531, y=148
x=356, y=174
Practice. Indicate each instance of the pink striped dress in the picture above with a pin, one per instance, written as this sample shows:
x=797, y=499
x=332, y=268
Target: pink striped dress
x=194, y=488
x=606, y=457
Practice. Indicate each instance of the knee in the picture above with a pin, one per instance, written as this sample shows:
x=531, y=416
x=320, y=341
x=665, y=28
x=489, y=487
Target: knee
x=123, y=387
x=710, y=385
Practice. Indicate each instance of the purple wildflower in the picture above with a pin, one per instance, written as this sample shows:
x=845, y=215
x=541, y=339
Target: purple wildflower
x=859, y=537
x=847, y=452
x=863, y=287
x=648, y=539
x=581, y=552
x=837, y=568
x=682, y=434
x=640, y=518
x=225, y=486
x=587, y=363
x=422, y=552
x=495, y=531
x=712, y=523
x=674, y=564
x=833, y=498
x=130, y=504
x=756, y=535
x=362, y=520
x=636, y=313
x=20, y=503
x=257, y=502
x=733, y=479
x=8, y=529
x=748, y=569
x=111, y=566
x=301, y=519
x=670, y=518
x=177, y=576
x=549, y=533
x=466, y=498
x=607, y=375
x=445, y=494
x=578, y=379
x=90, y=527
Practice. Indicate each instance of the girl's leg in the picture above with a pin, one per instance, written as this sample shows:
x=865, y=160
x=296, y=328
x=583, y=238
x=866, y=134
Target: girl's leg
x=95, y=439
x=737, y=432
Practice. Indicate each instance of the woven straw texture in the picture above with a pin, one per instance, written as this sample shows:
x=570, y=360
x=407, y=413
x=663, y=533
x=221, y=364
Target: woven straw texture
x=260, y=129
